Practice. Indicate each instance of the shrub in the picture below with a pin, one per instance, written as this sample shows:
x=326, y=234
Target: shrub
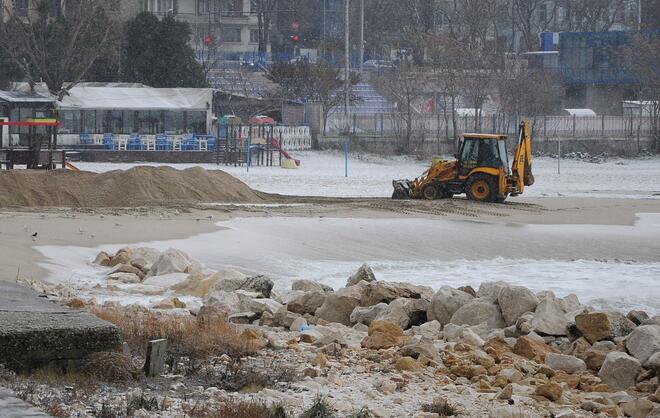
x=320, y=408
x=362, y=413
x=441, y=407
x=237, y=409
x=236, y=375
x=141, y=401
x=186, y=337
x=111, y=367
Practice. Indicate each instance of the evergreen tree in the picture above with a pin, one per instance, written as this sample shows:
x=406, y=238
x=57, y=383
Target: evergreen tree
x=157, y=53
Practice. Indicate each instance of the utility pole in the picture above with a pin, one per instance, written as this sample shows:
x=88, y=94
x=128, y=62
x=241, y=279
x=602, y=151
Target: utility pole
x=347, y=83
x=639, y=14
x=361, y=34
x=347, y=66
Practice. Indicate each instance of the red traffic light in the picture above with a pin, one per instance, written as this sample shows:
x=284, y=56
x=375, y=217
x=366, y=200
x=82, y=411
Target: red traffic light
x=208, y=40
x=295, y=38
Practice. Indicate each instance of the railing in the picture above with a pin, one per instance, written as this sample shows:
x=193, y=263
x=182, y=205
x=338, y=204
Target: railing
x=439, y=125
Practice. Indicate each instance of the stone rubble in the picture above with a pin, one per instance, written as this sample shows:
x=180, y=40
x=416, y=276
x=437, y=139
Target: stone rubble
x=502, y=351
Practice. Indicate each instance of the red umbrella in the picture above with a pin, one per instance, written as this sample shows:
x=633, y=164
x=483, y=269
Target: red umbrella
x=261, y=120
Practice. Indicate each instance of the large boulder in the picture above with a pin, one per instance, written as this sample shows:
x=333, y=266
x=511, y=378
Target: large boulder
x=385, y=292
x=365, y=315
x=231, y=302
x=405, y=312
x=568, y=364
x=445, y=302
x=173, y=261
x=643, y=342
x=515, y=301
x=127, y=268
x=259, y=284
x=653, y=363
x=306, y=303
x=383, y=335
x=598, y=326
x=478, y=312
x=310, y=286
x=532, y=349
x=261, y=305
x=196, y=284
x=619, y=370
x=339, y=305
x=491, y=290
x=549, y=318
x=364, y=274
x=166, y=281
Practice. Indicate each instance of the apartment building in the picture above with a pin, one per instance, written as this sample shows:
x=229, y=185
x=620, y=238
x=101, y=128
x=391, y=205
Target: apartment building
x=231, y=24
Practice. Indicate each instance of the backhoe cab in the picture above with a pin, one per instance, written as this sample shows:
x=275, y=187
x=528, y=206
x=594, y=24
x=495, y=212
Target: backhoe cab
x=481, y=171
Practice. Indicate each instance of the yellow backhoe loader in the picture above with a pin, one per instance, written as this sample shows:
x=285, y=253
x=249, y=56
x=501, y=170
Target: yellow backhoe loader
x=481, y=171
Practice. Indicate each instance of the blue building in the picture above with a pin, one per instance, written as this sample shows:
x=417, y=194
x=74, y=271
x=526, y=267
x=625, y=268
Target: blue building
x=594, y=70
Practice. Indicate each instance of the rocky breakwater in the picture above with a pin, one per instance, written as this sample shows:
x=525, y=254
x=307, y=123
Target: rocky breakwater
x=498, y=351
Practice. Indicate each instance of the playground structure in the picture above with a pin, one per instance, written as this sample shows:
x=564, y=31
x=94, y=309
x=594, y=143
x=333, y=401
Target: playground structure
x=257, y=145
x=28, y=131
x=40, y=132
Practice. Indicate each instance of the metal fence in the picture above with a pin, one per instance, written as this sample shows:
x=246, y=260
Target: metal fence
x=442, y=126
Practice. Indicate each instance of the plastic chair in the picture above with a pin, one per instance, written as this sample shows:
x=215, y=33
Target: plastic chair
x=162, y=144
x=211, y=142
x=188, y=143
x=135, y=143
x=86, y=139
x=108, y=142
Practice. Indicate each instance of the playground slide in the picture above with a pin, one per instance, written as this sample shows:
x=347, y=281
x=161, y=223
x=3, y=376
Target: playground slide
x=72, y=167
x=276, y=144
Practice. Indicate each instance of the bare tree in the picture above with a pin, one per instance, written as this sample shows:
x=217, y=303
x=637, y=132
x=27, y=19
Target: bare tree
x=527, y=93
x=643, y=60
x=592, y=15
x=528, y=19
x=58, y=49
x=315, y=83
x=404, y=86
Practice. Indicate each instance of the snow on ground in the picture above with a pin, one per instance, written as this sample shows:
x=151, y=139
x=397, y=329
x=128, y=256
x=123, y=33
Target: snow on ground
x=588, y=260
x=322, y=174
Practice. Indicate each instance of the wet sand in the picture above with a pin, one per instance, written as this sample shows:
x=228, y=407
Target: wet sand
x=84, y=228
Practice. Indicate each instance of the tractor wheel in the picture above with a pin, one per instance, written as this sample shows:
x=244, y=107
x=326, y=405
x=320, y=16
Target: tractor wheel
x=430, y=192
x=481, y=187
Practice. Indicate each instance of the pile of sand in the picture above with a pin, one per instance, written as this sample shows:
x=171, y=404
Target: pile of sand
x=139, y=186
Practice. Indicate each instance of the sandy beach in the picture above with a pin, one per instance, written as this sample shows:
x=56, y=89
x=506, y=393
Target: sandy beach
x=94, y=228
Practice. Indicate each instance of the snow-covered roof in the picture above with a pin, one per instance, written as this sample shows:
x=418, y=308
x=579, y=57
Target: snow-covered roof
x=143, y=98
x=24, y=97
x=580, y=112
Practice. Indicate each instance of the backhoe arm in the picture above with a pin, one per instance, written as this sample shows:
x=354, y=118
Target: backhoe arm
x=522, y=163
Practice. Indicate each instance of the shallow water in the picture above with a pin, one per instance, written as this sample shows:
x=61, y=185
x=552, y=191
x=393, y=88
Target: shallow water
x=615, y=267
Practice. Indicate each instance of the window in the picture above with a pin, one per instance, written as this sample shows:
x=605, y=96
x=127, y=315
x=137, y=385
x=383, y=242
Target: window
x=159, y=6
x=233, y=8
x=71, y=121
x=543, y=13
x=230, y=34
x=254, y=6
x=54, y=8
x=89, y=122
x=21, y=7
x=254, y=36
x=203, y=6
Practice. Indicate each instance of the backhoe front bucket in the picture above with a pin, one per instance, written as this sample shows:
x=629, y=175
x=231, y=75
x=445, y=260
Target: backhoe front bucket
x=401, y=190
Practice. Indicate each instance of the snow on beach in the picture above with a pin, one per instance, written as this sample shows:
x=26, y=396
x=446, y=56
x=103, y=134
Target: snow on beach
x=410, y=250
x=592, y=261
x=322, y=174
